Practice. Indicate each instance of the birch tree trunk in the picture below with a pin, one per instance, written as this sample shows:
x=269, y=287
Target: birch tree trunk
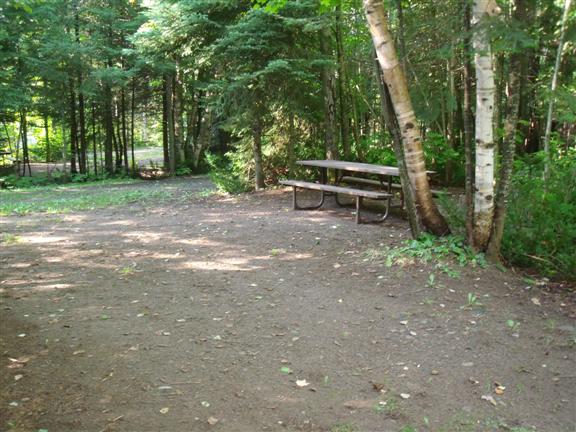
x=410, y=131
x=485, y=89
x=507, y=161
x=467, y=122
x=553, y=89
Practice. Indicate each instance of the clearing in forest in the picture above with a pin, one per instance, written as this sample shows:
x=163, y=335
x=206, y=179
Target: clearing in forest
x=192, y=312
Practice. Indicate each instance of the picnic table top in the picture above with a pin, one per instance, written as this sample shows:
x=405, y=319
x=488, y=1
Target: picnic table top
x=352, y=166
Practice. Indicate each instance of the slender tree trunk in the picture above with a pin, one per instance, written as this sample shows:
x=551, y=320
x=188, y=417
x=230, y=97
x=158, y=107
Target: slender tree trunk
x=329, y=104
x=484, y=131
x=95, y=156
x=118, y=139
x=25, y=152
x=165, y=144
x=401, y=38
x=452, y=116
x=553, y=89
x=73, y=130
x=203, y=139
x=507, y=161
x=389, y=119
x=410, y=130
x=132, y=109
x=342, y=88
x=178, y=117
x=291, y=144
x=257, y=151
x=170, y=124
x=124, y=130
x=468, y=124
x=82, y=118
x=81, y=146
x=109, y=131
x=47, y=136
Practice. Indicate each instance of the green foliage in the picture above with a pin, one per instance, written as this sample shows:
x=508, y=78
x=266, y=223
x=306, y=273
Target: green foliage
x=428, y=249
x=183, y=171
x=225, y=175
x=541, y=223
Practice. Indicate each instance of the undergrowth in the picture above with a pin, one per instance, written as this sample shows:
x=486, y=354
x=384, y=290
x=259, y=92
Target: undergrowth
x=430, y=249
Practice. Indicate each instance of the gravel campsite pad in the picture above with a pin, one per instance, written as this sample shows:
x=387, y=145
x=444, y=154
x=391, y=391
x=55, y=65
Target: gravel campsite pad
x=198, y=312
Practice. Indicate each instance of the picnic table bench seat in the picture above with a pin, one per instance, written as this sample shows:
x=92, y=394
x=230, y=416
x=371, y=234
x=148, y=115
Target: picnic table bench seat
x=359, y=194
x=377, y=183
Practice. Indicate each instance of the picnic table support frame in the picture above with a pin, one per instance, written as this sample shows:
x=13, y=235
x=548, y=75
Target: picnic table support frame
x=313, y=207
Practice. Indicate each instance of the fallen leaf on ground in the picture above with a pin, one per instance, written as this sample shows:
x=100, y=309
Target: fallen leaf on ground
x=302, y=383
x=536, y=301
x=164, y=410
x=490, y=399
x=378, y=387
x=499, y=388
x=404, y=395
x=212, y=421
x=286, y=370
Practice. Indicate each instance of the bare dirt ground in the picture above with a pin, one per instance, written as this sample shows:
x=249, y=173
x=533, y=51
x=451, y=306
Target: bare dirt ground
x=239, y=314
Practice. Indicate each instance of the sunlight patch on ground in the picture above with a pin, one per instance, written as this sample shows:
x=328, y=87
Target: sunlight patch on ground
x=41, y=239
x=224, y=265
x=121, y=222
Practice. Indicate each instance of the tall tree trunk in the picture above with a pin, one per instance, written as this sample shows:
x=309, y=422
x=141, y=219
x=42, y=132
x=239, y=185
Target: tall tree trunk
x=83, y=142
x=291, y=144
x=25, y=152
x=342, y=88
x=203, y=139
x=553, y=89
x=132, y=109
x=401, y=38
x=170, y=118
x=468, y=124
x=507, y=161
x=124, y=130
x=95, y=156
x=47, y=137
x=257, y=151
x=410, y=130
x=73, y=130
x=165, y=143
x=329, y=104
x=118, y=138
x=178, y=117
x=452, y=116
x=109, y=131
x=390, y=121
x=484, y=131
x=83, y=145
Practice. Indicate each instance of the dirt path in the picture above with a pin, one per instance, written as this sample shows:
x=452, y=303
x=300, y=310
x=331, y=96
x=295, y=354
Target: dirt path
x=238, y=314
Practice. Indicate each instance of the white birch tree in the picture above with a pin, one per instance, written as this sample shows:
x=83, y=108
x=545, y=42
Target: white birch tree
x=485, y=89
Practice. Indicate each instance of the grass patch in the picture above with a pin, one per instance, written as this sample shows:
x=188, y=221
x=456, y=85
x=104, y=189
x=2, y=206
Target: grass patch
x=9, y=239
x=63, y=199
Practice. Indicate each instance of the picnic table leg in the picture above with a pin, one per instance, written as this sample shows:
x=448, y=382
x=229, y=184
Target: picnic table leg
x=313, y=207
x=358, y=206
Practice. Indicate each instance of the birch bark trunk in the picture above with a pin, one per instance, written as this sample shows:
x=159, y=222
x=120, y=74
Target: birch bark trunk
x=396, y=82
x=485, y=90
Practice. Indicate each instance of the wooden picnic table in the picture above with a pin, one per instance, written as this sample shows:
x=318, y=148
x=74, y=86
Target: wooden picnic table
x=383, y=184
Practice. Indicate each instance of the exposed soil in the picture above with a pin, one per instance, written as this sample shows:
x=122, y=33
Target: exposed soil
x=208, y=313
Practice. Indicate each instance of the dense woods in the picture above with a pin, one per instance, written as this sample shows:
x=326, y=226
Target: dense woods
x=482, y=93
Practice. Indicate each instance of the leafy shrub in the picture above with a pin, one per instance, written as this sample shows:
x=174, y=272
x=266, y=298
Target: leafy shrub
x=225, y=176
x=428, y=248
x=541, y=223
x=183, y=171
